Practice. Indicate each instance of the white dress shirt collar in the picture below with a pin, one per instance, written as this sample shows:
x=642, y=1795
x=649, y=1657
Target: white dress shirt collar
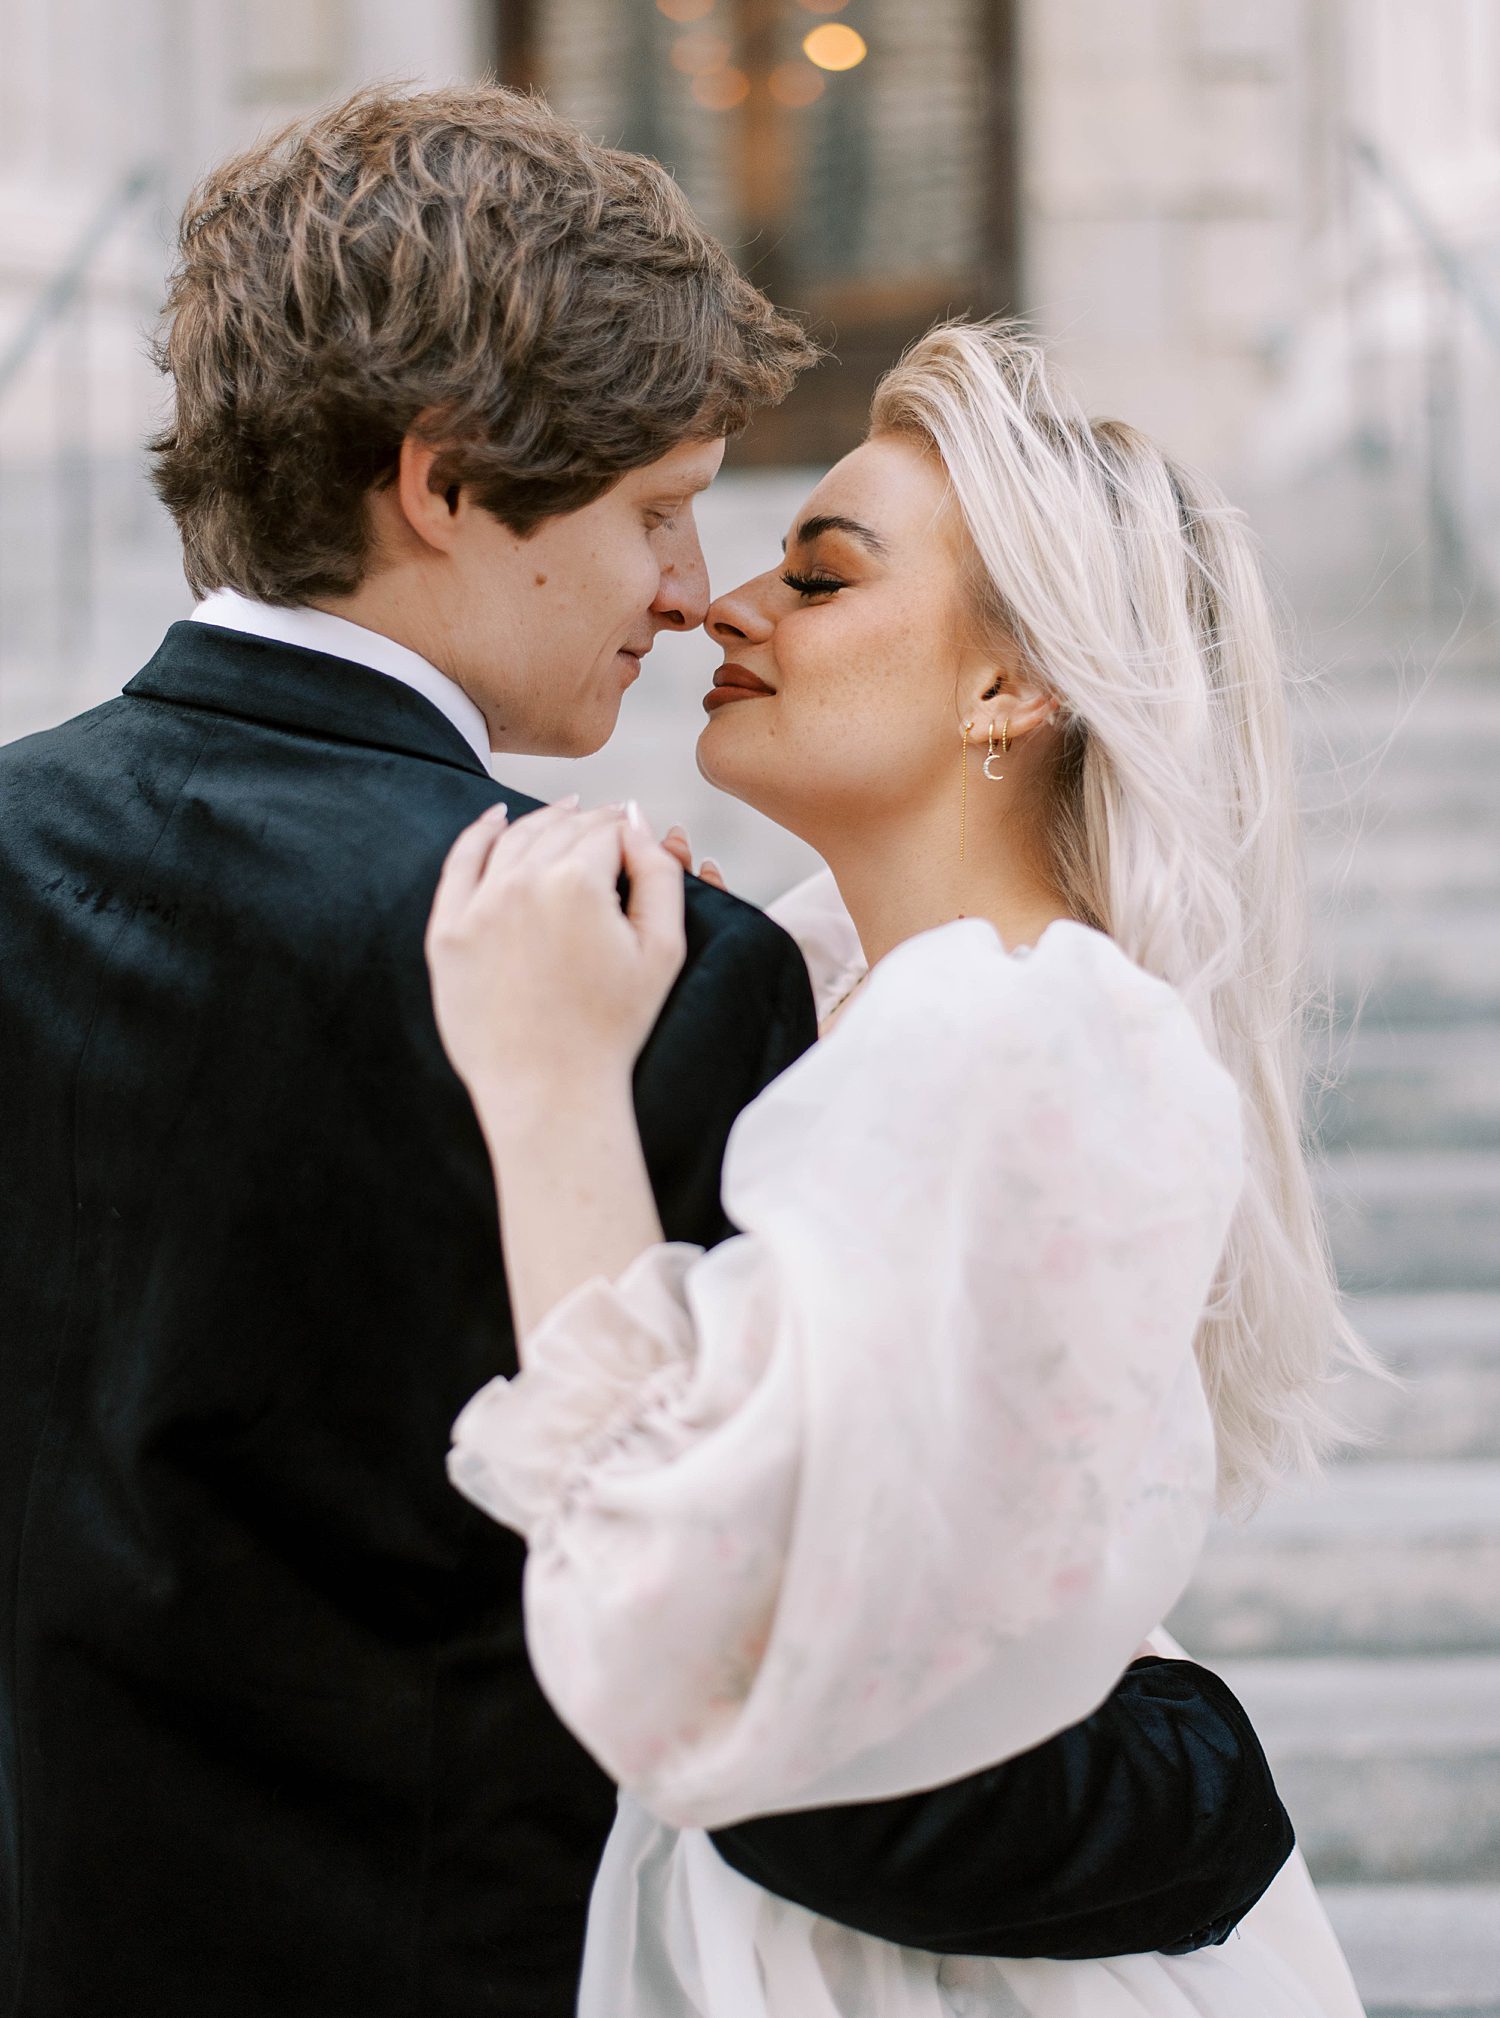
x=317, y=631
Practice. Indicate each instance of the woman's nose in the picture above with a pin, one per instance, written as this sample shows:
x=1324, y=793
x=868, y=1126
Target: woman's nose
x=742, y=615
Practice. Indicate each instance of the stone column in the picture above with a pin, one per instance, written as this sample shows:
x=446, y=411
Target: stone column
x=1166, y=182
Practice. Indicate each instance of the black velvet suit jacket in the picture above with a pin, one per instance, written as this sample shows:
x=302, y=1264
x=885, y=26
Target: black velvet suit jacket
x=269, y=1743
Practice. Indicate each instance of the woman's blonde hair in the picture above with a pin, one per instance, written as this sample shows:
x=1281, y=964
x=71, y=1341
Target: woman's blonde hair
x=1135, y=594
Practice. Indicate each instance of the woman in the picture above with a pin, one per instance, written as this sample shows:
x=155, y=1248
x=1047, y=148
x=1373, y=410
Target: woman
x=891, y=1485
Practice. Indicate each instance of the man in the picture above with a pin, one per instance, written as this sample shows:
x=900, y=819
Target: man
x=447, y=378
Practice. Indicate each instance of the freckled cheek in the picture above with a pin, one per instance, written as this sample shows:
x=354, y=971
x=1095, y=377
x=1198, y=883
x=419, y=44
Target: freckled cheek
x=878, y=688
x=830, y=668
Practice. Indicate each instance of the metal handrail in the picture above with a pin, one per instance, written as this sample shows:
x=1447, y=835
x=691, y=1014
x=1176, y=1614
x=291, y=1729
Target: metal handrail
x=1459, y=272
x=58, y=296
x=59, y=312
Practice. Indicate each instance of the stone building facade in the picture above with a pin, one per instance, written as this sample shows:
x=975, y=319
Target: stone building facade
x=1269, y=233
x=1189, y=217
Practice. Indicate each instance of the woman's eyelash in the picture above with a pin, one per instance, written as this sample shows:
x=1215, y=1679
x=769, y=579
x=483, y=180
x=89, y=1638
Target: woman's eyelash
x=811, y=585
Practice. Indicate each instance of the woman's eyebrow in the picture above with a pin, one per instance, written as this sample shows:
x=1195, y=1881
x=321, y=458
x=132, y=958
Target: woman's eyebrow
x=834, y=522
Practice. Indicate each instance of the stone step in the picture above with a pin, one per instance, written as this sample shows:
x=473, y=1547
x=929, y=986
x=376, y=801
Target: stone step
x=1414, y=1089
x=1414, y=1219
x=1385, y=1558
x=1363, y=796
x=1390, y=1769
x=1447, y=853
x=1439, y=964
x=1445, y=1348
x=1376, y=728
x=1428, y=1949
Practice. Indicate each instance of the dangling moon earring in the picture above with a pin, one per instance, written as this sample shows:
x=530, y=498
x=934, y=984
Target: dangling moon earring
x=995, y=777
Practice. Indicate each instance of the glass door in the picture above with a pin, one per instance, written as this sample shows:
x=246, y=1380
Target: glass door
x=858, y=157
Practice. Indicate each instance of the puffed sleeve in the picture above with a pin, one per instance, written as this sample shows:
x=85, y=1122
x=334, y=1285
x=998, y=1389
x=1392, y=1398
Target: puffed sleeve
x=891, y=1485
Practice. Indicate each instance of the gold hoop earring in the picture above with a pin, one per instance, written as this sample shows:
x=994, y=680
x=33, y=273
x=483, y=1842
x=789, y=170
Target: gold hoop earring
x=995, y=777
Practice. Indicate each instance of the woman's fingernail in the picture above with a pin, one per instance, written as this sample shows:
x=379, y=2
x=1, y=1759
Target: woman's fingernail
x=572, y=799
x=496, y=813
x=710, y=867
x=638, y=819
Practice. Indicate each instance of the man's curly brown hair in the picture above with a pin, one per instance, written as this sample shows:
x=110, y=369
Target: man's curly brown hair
x=461, y=264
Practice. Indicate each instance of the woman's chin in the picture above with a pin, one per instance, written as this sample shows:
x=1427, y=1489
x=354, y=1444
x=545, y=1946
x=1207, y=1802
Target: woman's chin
x=716, y=756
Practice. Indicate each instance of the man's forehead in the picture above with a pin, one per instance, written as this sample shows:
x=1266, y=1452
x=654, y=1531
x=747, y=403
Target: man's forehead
x=690, y=467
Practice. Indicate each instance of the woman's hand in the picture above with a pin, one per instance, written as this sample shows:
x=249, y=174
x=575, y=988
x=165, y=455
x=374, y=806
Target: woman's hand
x=676, y=842
x=541, y=983
x=545, y=991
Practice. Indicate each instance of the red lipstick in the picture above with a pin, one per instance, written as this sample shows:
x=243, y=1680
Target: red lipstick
x=734, y=683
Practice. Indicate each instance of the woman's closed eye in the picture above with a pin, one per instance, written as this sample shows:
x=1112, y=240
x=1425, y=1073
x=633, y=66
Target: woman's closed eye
x=813, y=585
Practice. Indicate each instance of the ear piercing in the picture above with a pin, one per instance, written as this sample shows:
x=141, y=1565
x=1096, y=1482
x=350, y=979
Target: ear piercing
x=994, y=777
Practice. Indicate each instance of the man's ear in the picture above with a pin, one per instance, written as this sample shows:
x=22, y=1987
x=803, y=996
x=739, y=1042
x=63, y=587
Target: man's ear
x=432, y=515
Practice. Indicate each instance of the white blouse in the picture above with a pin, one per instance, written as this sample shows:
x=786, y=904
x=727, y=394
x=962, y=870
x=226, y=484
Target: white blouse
x=891, y=1485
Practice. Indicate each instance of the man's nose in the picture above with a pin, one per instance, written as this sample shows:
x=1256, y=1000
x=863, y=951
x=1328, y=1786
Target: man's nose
x=682, y=598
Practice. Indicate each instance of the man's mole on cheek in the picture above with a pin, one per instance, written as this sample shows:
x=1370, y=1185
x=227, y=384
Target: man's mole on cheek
x=541, y=581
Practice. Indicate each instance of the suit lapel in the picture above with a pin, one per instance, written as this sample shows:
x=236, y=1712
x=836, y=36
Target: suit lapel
x=288, y=687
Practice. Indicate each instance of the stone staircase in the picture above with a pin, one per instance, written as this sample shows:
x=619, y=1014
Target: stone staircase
x=1360, y=1621
x=80, y=611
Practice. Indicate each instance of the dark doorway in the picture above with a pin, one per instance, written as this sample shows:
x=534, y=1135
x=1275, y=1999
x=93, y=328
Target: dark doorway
x=866, y=177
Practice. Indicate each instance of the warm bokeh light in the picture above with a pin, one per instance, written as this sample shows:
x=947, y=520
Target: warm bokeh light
x=795, y=84
x=721, y=90
x=834, y=46
x=697, y=55
x=816, y=6
x=694, y=10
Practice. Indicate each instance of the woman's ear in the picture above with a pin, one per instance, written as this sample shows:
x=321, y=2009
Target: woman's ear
x=1004, y=690
x=1031, y=704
